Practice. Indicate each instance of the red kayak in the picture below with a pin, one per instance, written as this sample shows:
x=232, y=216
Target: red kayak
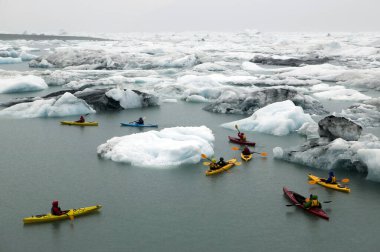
x=298, y=199
x=238, y=141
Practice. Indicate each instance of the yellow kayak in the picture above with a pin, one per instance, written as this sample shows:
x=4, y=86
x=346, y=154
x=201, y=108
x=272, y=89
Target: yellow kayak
x=49, y=217
x=79, y=124
x=337, y=186
x=246, y=157
x=230, y=164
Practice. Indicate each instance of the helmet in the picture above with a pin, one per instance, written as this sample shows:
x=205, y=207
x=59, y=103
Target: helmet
x=140, y=118
x=331, y=173
x=221, y=159
x=55, y=203
x=213, y=160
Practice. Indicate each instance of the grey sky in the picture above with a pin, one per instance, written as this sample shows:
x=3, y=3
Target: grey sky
x=181, y=15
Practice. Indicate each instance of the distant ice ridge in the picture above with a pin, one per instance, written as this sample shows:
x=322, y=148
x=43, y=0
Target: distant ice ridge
x=338, y=93
x=12, y=55
x=169, y=147
x=18, y=84
x=279, y=119
x=65, y=105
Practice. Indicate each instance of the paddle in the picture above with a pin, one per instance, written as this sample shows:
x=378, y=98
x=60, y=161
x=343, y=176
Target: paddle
x=263, y=154
x=236, y=127
x=313, y=182
x=298, y=204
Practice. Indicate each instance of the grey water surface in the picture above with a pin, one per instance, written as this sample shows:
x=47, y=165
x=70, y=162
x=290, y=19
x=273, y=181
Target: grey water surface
x=177, y=209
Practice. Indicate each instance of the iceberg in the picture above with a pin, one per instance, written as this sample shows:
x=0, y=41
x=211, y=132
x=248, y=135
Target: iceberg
x=20, y=84
x=65, y=105
x=279, y=119
x=169, y=147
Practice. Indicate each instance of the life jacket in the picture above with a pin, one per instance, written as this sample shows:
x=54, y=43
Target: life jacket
x=333, y=180
x=246, y=151
x=314, y=203
x=55, y=210
x=242, y=136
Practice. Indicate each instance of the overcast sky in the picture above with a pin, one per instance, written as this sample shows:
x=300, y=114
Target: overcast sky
x=17, y=16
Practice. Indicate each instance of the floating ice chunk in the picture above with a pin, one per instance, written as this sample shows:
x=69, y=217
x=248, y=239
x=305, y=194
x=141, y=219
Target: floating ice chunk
x=342, y=94
x=208, y=66
x=9, y=60
x=366, y=114
x=309, y=129
x=170, y=100
x=20, y=84
x=196, y=98
x=371, y=157
x=126, y=98
x=66, y=105
x=27, y=56
x=160, y=149
x=278, y=118
x=277, y=152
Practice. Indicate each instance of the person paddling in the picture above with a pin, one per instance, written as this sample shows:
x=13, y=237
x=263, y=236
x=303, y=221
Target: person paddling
x=213, y=165
x=246, y=151
x=55, y=209
x=312, y=201
x=140, y=121
x=81, y=119
x=221, y=162
x=242, y=136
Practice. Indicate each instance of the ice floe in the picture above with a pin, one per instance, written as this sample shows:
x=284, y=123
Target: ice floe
x=20, y=84
x=279, y=119
x=160, y=149
x=65, y=105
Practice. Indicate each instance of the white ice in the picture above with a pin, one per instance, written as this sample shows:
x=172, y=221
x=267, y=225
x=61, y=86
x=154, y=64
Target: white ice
x=19, y=84
x=278, y=118
x=66, y=105
x=127, y=98
x=160, y=149
x=371, y=157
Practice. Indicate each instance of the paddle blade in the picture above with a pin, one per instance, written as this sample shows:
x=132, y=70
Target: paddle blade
x=264, y=154
x=203, y=155
x=235, y=148
x=236, y=127
x=71, y=217
x=329, y=201
x=237, y=163
x=312, y=182
x=206, y=163
x=345, y=180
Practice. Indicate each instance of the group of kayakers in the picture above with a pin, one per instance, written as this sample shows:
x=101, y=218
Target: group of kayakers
x=139, y=121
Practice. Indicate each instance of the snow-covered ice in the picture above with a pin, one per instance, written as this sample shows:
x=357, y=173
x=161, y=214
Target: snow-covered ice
x=19, y=84
x=278, y=118
x=66, y=105
x=160, y=149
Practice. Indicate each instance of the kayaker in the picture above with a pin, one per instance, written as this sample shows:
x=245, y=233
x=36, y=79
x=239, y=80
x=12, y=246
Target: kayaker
x=246, y=151
x=242, y=136
x=213, y=165
x=331, y=179
x=55, y=209
x=221, y=162
x=140, y=121
x=81, y=119
x=312, y=201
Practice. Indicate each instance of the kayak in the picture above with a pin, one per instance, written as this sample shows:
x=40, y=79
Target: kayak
x=139, y=125
x=238, y=141
x=79, y=124
x=298, y=200
x=246, y=157
x=49, y=217
x=230, y=164
x=337, y=186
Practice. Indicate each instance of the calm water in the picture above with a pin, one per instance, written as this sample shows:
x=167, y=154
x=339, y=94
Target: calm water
x=177, y=209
